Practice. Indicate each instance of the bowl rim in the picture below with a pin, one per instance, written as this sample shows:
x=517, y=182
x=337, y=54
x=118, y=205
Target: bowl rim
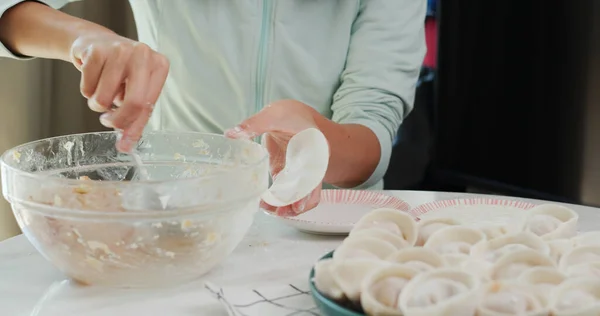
x=5, y=156
x=318, y=296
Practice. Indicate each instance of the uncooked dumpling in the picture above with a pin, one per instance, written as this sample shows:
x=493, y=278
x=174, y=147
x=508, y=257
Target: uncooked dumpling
x=365, y=247
x=513, y=264
x=551, y=221
x=441, y=292
x=454, y=240
x=394, y=221
x=576, y=297
x=324, y=280
x=381, y=290
x=543, y=278
x=578, y=256
x=349, y=275
x=586, y=239
x=417, y=258
x=426, y=227
x=509, y=298
x=382, y=234
x=306, y=161
x=492, y=250
x=559, y=247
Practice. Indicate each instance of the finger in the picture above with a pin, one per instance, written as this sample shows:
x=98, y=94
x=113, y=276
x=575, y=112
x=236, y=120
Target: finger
x=267, y=120
x=135, y=101
x=285, y=211
x=134, y=132
x=111, y=79
x=276, y=148
x=267, y=207
x=91, y=70
x=308, y=203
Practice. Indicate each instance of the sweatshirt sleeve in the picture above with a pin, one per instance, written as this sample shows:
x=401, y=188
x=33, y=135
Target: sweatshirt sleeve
x=7, y=4
x=377, y=90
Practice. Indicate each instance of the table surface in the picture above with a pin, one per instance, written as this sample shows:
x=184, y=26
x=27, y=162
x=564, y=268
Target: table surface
x=29, y=285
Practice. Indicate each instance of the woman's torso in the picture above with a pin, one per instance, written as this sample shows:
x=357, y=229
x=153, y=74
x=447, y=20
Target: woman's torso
x=230, y=58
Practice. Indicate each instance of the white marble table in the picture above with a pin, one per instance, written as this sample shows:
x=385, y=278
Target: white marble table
x=29, y=285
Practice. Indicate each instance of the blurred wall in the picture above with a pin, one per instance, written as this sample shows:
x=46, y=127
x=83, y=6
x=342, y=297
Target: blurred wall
x=40, y=98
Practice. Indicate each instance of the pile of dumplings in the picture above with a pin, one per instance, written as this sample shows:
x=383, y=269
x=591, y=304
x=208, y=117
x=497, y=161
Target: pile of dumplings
x=392, y=265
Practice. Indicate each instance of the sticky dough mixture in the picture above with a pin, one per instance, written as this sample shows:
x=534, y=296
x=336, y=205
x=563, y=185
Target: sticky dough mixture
x=91, y=251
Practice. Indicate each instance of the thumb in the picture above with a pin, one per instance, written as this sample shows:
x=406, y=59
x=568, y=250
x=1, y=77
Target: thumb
x=254, y=126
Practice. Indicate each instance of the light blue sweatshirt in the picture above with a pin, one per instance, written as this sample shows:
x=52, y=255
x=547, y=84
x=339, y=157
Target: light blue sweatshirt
x=355, y=61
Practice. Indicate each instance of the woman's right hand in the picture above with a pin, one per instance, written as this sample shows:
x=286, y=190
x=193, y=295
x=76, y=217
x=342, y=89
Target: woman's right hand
x=118, y=71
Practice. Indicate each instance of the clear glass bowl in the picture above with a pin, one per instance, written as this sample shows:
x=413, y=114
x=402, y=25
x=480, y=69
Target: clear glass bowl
x=70, y=196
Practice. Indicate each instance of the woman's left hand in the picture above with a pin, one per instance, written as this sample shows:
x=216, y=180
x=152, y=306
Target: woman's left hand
x=279, y=122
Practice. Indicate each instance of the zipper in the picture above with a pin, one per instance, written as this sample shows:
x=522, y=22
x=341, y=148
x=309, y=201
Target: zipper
x=261, y=64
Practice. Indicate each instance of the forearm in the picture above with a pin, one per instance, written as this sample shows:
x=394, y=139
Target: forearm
x=34, y=29
x=355, y=153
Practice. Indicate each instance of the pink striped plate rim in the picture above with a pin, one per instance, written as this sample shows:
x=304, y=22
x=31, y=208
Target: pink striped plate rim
x=436, y=205
x=373, y=198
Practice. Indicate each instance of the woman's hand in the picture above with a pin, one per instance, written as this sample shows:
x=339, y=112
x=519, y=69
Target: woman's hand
x=124, y=73
x=278, y=122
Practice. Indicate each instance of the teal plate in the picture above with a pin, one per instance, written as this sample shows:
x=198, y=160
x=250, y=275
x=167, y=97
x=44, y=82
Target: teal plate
x=326, y=306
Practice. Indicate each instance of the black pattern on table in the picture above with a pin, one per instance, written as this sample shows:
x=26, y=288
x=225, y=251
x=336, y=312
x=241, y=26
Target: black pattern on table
x=280, y=305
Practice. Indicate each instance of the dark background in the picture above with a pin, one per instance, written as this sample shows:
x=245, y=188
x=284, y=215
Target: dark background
x=510, y=107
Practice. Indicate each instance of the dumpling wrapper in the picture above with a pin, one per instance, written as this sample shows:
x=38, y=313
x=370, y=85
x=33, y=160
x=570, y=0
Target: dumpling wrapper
x=426, y=227
x=551, y=221
x=579, y=255
x=306, y=161
x=441, y=292
x=325, y=282
x=392, y=220
x=575, y=297
x=543, y=278
x=349, y=275
x=363, y=247
x=512, y=265
x=455, y=240
x=381, y=290
x=417, y=258
x=492, y=250
x=511, y=298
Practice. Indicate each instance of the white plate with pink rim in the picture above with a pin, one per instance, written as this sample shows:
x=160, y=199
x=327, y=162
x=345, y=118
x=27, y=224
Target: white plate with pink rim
x=339, y=210
x=474, y=210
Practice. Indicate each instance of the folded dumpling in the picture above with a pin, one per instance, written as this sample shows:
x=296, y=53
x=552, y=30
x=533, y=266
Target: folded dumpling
x=394, y=221
x=349, y=275
x=492, y=250
x=441, y=292
x=365, y=247
x=511, y=265
x=454, y=240
x=543, y=278
x=576, y=297
x=578, y=256
x=417, y=258
x=559, y=247
x=586, y=239
x=511, y=298
x=381, y=290
x=324, y=281
x=551, y=221
x=426, y=227
x=384, y=235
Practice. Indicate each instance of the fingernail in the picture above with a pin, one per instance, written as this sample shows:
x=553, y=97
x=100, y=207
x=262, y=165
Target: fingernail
x=300, y=206
x=95, y=106
x=239, y=132
x=106, y=120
